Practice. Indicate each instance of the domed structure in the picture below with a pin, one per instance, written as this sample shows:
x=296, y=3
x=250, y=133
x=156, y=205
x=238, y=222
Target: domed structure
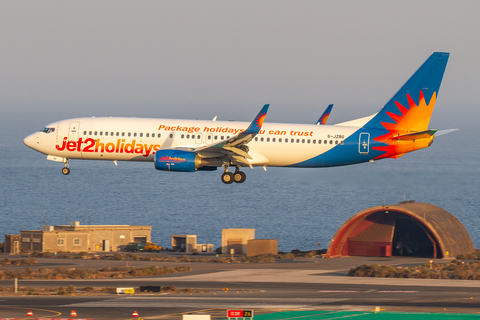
x=406, y=229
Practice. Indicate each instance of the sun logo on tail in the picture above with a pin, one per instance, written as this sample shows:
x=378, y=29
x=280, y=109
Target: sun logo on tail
x=259, y=119
x=415, y=118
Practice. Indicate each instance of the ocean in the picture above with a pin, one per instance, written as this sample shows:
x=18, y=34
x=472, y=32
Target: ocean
x=299, y=207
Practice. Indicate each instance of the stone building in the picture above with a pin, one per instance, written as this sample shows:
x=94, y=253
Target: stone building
x=78, y=238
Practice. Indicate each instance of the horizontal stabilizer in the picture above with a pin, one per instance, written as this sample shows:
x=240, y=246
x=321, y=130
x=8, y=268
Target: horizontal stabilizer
x=416, y=135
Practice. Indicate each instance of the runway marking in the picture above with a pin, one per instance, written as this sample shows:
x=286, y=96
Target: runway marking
x=336, y=291
x=396, y=291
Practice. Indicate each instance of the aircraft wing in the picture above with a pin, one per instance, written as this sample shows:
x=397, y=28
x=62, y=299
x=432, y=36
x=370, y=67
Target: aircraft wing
x=323, y=119
x=236, y=147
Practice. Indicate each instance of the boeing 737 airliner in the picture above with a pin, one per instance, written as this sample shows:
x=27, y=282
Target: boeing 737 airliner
x=401, y=126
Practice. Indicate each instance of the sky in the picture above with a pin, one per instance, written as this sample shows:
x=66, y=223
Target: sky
x=200, y=59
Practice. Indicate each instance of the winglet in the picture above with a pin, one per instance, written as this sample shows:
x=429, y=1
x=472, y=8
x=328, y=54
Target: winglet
x=324, y=118
x=257, y=122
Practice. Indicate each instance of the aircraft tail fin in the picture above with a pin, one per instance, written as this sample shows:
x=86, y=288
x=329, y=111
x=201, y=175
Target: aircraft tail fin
x=411, y=107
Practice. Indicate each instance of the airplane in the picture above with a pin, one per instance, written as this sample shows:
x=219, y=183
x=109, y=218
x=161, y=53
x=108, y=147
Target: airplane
x=401, y=126
x=324, y=117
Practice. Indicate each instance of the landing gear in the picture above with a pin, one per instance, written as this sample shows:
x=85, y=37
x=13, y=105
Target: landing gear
x=239, y=176
x=66, y=169
x=227, y=177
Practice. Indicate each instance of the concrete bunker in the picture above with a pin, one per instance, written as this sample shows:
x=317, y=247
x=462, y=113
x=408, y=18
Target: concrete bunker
x=406, y=229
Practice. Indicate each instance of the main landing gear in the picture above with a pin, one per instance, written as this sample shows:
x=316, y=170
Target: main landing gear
x=238, y=176
x=66, y=169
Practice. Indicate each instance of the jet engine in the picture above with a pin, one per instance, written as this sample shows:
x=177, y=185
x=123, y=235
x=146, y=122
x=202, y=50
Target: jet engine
x=177, y=160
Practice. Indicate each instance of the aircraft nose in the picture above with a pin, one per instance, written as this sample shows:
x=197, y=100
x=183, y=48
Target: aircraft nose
x=30, y=140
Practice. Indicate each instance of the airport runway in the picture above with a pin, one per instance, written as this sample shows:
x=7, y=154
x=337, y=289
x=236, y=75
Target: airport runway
x=322, y=285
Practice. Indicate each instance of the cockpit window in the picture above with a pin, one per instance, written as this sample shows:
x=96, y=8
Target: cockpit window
x=47, y=130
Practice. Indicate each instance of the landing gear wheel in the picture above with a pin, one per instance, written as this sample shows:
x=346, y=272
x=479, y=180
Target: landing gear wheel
x=66, y=171
x=239, y=176
x=227, y=177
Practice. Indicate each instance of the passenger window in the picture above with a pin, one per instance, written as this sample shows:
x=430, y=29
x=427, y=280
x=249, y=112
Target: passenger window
x=298, y=140
x=336, y=141
x=256, y=138
x=314, y=141
x=147, y=135
x=199, y=137
x=341, y=142
x=268, y=139
x=153, y=135
x=141, y=134
x=129, y=134
x=84, y=133
x=286, y=140
x=134, y=134
x=182, y=136
x=308, y=141
x=123, y=134
x=90, y=132
x=273, y=140
x=188, y=136
x=279, y=139
x=325, y=141
x=221, y=138
x=303, y=140
x=292, y=140
x=101, y=133
x=228, y=137
x=261, y=139
x=331, y=142
x=111, y=133
x=159, y=135
x=118, y=133
x=215, y=137
x=95, y=132
x=171, y=135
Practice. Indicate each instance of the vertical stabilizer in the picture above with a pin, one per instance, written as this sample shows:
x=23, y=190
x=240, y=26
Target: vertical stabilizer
x=411, y=107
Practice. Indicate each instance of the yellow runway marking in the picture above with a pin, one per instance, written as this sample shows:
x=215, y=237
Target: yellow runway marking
x=55, y=313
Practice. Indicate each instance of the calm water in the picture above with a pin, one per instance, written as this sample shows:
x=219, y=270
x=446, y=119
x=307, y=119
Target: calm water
x=300, y=207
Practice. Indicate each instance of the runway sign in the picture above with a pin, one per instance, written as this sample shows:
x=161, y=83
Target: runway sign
x=239, y=313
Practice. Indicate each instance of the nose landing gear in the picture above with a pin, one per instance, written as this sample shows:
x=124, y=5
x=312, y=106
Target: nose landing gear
x=66, y=169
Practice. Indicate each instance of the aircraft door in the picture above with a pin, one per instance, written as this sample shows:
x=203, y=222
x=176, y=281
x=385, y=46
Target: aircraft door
x=198, y=138
x=73, y=131
x=364, y=143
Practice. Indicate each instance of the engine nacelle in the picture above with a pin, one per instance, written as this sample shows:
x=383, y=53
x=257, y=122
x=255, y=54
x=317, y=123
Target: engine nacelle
x=176, y=160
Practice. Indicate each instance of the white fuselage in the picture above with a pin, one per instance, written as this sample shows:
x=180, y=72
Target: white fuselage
x=137, y=139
